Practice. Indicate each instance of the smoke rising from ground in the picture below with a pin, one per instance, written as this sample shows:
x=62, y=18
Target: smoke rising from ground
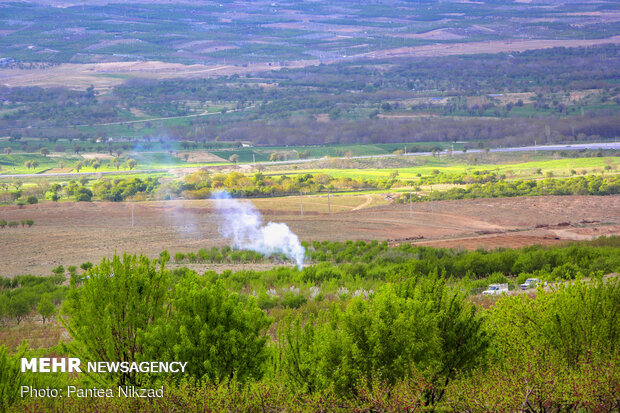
x=242, y=223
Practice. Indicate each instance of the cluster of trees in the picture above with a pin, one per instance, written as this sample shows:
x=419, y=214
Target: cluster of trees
x=582, y=185
x=20, y=295
x=555, y=262
x=119, y=189
x=200, y=184
x=282, y=106
x=15, y=224
x=476, y=177
x=96, y=163
x=55, y=107
x=416, y=341
x=224, y=254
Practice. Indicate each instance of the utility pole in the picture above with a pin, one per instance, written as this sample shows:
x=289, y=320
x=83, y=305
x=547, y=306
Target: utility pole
x=301, y=204
x=329, y=205
x=431, y=198
x=410, y=204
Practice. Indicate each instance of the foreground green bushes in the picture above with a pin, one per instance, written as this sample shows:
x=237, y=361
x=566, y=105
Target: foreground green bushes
x=414, y=346
x=414, y=343
x=415, y=326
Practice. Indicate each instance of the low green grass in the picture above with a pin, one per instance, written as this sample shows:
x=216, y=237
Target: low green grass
x=521, y=170
x=263, y=153
x=16, y=163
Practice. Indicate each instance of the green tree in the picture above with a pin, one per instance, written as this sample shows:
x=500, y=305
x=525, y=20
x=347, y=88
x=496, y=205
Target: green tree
x=569, y=323
x=19, y=307
x=59, y=275
x=119, y=300
x=418, y=324
x=86, y=265
x=218, y=333
x=132, y=163
x=46, y=307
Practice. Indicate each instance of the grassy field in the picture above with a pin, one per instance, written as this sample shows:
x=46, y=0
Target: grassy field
x=156, y=158
x=262, y=154
x=522, y=170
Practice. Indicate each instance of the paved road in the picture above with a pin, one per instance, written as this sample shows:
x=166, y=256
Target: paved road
x=571, y=147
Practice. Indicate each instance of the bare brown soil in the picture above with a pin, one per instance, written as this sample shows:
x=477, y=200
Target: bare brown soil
x=72, y=233
x=493, y=46
x=438, y=34
x=109, y=74
x=199, y=157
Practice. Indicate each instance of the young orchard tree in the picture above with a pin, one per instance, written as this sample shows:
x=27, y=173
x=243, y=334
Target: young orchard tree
x=19, y=308
x=118, y=302
x=86, y=265
x=419, y=324
x=218, y=333
x=46, y=307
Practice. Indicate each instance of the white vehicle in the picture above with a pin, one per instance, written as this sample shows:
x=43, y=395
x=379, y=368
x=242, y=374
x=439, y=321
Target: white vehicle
x=496, y=289
x=529, y=283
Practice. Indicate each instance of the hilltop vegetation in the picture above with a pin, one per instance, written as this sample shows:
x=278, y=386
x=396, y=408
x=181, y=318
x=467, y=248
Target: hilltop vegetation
x=480, y=98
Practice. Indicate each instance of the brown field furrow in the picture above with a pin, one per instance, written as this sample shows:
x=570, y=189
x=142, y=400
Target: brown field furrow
x=72, y=233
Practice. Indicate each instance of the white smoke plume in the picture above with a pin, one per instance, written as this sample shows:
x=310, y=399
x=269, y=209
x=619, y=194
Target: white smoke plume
x=242, y=223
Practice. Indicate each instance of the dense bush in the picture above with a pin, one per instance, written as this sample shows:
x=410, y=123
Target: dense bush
x=415, y=326
x=219, y=333
x=119, y=300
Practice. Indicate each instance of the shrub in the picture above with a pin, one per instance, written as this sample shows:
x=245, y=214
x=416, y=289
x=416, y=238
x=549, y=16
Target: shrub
x=32, y=199
x=292, y=300
x=83, y=197
x=13, y=224
x=220, y=335
x=120, y=299
x=46, y=308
